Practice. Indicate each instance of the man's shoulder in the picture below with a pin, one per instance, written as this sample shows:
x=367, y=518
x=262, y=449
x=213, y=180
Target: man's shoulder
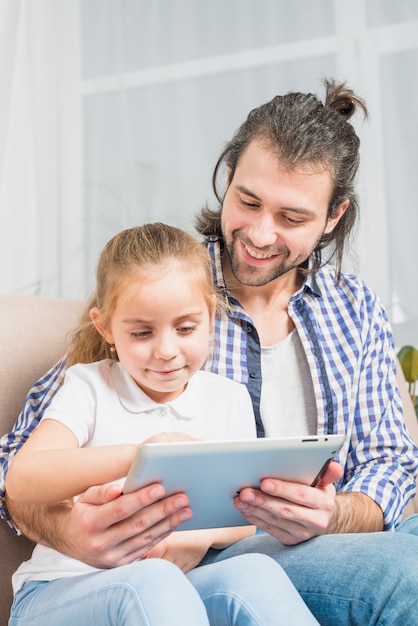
x=348, y=285
x=347, y=301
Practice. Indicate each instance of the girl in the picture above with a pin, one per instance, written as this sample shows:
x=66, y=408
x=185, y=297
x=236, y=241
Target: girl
x=136, y=377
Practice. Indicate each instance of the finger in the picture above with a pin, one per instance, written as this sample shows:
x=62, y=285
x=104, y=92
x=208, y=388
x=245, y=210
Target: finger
x=273, y=492
x=304, y=495
x=299, y=510
x=146, y=507
x=289, y=524
x=121, y=531
x=331, y=475
x=285, y=530
x=105, y=506
x=169, y=437
x=147, y=525
x=140, y=537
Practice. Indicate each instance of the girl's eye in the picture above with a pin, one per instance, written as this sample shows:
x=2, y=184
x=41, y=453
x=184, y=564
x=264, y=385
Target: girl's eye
x=184, y=330
x=141, y=334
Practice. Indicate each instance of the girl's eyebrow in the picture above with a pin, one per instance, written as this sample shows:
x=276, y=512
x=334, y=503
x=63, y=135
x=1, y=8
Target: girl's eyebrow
x=134, y=320
x=184, y=316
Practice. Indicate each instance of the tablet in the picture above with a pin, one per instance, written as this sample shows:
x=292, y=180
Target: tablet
x=212, y=472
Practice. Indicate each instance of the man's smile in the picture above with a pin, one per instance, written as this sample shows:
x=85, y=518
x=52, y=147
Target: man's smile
x=257, y=254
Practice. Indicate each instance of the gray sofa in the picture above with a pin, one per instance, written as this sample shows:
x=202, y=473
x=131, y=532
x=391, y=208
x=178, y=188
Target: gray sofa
x=34, y=333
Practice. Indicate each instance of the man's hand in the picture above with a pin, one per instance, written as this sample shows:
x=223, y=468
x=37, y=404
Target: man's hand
x=104, y=528
x=291, y=512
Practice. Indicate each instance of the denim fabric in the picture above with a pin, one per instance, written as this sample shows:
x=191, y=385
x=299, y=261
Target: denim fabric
x=250, y=590
x=365, y=579
x=140, y=594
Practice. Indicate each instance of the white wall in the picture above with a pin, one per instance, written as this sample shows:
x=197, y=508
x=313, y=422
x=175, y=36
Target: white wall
x=113, y=112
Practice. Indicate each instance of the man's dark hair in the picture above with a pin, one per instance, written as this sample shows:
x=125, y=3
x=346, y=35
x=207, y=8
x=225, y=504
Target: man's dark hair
x=301, y=130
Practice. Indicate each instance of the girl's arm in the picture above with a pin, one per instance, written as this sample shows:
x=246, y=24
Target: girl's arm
x=50, y=467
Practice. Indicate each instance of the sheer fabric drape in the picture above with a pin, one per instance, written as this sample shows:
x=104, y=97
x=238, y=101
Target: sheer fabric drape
x=113, y=113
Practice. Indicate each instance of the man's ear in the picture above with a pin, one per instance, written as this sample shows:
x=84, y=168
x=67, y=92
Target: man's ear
x=95, y=317
x=337, y=214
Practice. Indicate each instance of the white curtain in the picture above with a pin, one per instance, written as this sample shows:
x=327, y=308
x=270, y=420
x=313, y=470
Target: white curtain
x=113, y=113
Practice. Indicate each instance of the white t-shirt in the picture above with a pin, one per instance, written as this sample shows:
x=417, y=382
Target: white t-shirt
x=287, y=406
x=102, y=405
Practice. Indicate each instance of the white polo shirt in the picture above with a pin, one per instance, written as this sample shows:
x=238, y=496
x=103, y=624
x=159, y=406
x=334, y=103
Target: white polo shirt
x=102, y=405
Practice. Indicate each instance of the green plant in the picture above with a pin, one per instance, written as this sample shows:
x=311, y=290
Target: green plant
x=408, y=358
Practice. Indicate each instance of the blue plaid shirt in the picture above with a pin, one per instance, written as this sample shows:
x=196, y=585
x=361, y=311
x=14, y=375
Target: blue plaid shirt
x=348, y=342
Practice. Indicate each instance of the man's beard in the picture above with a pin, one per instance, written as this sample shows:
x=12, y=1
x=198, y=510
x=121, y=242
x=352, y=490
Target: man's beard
x=256, y=277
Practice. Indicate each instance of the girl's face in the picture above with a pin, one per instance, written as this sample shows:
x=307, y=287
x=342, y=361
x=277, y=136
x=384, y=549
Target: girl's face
x=160, y=329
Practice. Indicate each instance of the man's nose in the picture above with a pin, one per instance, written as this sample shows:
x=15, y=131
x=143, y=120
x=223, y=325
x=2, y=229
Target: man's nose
x=264, y=231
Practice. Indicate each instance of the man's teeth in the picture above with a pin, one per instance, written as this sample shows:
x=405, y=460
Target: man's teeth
x=257, y=255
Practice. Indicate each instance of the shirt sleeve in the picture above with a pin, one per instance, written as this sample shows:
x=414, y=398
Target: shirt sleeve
x=75, y=403
x=382, y=459
x=37, y=401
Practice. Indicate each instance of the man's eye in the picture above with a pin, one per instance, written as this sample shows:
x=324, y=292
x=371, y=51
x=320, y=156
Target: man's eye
x=251, y=205
x=290, y=220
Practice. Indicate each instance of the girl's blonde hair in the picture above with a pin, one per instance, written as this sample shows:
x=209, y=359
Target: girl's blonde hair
x=131, y=256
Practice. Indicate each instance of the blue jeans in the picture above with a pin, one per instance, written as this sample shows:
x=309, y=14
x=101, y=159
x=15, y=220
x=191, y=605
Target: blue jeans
x=249, y=590
x=365, y=579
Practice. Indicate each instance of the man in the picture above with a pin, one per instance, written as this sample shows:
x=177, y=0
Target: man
x=315, y=349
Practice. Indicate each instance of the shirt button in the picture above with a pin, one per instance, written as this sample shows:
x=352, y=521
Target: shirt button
x=163, y=412
x=249, y=328
x=253, y=375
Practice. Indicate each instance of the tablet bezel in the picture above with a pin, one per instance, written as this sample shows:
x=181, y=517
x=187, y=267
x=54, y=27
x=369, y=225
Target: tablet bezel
x=212, y=472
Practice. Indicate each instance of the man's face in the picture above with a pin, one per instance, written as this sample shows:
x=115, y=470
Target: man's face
x=273, y=218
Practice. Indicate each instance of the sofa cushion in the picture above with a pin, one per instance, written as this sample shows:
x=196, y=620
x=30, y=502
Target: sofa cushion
x=34, y=333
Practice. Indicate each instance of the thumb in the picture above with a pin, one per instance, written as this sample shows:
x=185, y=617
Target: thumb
x=100, y=494
x=331, y=475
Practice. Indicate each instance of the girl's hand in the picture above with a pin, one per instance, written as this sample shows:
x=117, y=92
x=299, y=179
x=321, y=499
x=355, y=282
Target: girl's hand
x=184, y=548
x=187, y=548
x=169, y=437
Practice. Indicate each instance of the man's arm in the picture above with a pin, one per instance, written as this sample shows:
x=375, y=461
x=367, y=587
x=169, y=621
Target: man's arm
x=103, y=528
x=355, y=513
x=37, y=401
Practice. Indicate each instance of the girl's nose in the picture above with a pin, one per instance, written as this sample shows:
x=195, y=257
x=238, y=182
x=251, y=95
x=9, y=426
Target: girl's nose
x=165, y=347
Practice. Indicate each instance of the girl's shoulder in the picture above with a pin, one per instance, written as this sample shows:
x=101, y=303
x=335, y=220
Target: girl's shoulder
x=89, y=370
x=217, y=381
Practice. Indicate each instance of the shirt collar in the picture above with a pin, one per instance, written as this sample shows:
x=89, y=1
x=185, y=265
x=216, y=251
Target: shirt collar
x=134, y=400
